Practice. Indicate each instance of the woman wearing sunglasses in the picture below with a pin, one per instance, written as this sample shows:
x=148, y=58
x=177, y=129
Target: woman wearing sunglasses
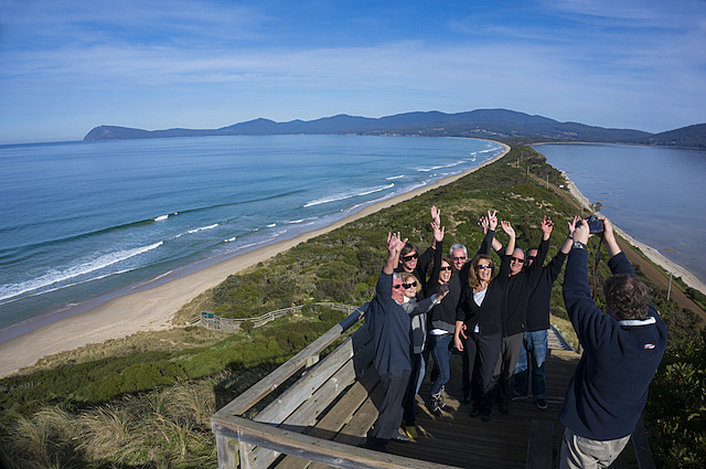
x=480, y=311
x=417, y=310
x=442, y=325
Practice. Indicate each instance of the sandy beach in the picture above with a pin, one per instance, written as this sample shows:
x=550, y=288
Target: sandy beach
x=152, y=309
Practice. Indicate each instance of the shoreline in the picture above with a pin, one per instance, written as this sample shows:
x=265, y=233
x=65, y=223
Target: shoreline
x=152, y=309
x=651, y=253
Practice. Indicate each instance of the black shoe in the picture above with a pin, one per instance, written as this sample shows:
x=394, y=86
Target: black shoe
x=486, y=417
x=474, y=412
x=542, y=404
x=504, y=409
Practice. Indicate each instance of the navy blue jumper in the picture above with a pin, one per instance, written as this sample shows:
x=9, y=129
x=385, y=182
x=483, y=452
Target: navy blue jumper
x=609, y=388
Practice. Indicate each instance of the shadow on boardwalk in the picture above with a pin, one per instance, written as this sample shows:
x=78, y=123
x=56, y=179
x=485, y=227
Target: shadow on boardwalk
x=456, y=439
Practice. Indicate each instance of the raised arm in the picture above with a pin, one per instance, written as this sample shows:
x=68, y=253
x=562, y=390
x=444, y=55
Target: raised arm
x=436, y=244
x=510, y=231
x=609, y=238
x=557, y=262
x=566, y=247
x=547, y=226
x=580, y=307
x=488, y=225
x=394, y=247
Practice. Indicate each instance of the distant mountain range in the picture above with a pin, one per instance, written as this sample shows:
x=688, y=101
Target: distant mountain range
x=497, y=124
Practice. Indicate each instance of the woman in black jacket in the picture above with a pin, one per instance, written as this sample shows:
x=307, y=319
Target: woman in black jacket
x=442, y=321
x=479, y=321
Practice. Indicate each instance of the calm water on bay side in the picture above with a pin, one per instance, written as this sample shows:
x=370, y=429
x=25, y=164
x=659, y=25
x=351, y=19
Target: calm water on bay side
x=80, y=219
x=654, y=194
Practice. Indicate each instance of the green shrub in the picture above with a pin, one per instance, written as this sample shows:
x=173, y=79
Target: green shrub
x=675, y=415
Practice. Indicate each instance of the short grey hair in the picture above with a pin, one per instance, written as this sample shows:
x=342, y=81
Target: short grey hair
x=457, y=246
x=397, y=275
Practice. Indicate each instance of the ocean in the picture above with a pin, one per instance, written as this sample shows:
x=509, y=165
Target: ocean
x=82, y=220
x=655, y=194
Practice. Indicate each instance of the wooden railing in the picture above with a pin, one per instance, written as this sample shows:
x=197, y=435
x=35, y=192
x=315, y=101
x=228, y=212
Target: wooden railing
x=279, y=428
x=210, y=320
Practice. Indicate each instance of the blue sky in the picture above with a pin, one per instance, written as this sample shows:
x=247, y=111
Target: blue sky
x=67, y=66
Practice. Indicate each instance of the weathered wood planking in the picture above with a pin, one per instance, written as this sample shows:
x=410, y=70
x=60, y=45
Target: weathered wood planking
x=287, y=402
x=312, y=448
x=268, y=384
x=540, y=447
x=309, y=410
x=345, y=409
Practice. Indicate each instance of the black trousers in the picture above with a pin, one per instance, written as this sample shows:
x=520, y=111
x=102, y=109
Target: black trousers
x=482, y=352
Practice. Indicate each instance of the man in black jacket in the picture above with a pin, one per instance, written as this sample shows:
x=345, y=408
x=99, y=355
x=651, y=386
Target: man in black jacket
x=522, y=281
x=534, y=345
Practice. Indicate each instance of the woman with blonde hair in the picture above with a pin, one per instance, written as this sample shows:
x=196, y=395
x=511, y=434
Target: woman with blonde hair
x=417, y=310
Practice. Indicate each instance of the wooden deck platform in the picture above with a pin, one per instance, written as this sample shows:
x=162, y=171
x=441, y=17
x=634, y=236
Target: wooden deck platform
x=456, y=439
x=321, y=420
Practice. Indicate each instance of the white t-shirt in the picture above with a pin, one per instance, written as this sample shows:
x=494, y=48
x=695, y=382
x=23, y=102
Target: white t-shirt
x=478, y=297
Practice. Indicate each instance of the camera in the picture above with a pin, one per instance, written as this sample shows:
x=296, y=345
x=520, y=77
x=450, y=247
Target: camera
x=594, y=224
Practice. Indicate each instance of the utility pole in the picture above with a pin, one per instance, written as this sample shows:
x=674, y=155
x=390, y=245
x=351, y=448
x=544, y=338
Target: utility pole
x=547, y=181
x=669, y=289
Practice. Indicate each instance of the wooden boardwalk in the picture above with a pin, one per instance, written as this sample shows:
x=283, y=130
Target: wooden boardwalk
x=321, y=419
x=457, y=439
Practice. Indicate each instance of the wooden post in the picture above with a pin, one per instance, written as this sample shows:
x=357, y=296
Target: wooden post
x=227, y=450
x=669, y=289
x=312, y=360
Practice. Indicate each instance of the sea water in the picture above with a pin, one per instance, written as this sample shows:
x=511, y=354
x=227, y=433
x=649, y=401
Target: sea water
x=655, y=194
x=79, y=220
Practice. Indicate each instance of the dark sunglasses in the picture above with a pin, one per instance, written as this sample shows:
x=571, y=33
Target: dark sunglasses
x=484, y=266
x=409, y=285
x=445, y=268
x=531, y=257
x=398, y=286
x=517, y=259
x=459, y=258
x=410, y=257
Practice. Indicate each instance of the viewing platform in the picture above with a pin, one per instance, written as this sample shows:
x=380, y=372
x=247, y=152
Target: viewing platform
x=313, y=412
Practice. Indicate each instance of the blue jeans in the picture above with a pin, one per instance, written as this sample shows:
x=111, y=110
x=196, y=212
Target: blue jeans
x=532, y=356
x=416, y=376
x=441, y=353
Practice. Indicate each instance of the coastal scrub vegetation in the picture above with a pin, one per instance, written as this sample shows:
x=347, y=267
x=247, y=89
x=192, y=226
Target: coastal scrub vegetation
x=132, y=402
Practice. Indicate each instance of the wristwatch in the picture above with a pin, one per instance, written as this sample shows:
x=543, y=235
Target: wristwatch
x=579, y=245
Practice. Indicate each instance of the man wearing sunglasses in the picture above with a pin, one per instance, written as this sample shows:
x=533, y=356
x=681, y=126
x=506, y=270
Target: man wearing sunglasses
x=535, y=343
x=389, y=326
x=522, y=282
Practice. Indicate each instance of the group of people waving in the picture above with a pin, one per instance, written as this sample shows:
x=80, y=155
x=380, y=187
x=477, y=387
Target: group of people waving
x=453, y=302
x=429, y=305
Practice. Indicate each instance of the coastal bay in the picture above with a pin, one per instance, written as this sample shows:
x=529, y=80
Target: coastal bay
x=653, y=193
x=152, y=308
